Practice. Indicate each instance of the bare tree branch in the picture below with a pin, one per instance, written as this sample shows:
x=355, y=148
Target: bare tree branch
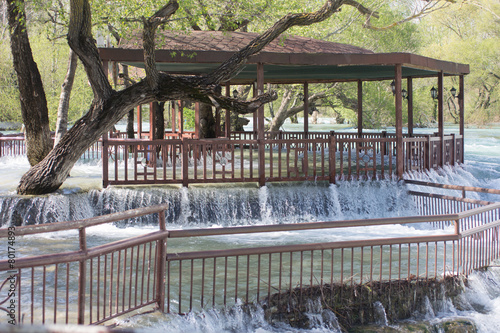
x=81, y=41
x=148, y=36
x=429, y=7
x=225, y=71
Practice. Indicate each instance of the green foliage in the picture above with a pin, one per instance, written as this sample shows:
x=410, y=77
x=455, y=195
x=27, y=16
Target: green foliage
x=466, y=32
x=9, y=92
x=470, y=34
x=52, y=60
x=188, y=116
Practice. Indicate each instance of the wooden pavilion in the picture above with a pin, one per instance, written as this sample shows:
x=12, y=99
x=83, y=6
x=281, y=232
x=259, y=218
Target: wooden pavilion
x=259, y=156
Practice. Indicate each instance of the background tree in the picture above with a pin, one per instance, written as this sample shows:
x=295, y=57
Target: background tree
x=33, y=102
x=470, y=34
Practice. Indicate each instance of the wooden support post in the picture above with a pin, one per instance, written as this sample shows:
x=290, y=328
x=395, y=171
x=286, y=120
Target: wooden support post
x=254, y=90
x=454, y=149
x=152, y=122
x=217, y=122
x=399, y=122
x=428, y=145
x=461, y=106
x=332, y=167
x=139, y=121
x=197, y=120
x=104, y=157
x=260, y=126
x=114, y=71
x=441, y=114
x=306, y=110
x=180, y=113
x=185, y=161
x=161, y=256
x=174, y=125
x=82, y=276
x=305, y=159
x=227, y=127
x=409, y=87
x=360, y=109
x=105, y=67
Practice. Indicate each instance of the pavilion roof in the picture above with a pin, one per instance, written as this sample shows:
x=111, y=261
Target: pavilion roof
x=224, y=41
x=288, y=59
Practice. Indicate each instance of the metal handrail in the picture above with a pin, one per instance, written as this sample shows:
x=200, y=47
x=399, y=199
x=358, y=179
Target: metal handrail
x=309, y=247
x=85, y=223
x=453, y=187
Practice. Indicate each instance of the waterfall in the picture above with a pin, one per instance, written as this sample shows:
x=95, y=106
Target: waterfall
x=223, y=205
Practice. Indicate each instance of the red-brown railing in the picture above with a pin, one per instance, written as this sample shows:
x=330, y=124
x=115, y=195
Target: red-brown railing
x=94, y=285
x=369, y=158
x=87, y=286
x=286, y=156
x=230, y=276
x=16, y=146
x=12, y=146
x=282, y=156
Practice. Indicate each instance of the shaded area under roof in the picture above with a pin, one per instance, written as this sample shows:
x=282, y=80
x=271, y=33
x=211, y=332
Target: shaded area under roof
x=288, y=59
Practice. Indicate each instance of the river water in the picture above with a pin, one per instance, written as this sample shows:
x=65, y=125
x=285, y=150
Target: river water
x=200, y=206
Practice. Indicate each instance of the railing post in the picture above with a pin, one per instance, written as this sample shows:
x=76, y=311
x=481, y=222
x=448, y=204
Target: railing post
x=185, y=159
x=384, y=136
x=260, y=128
x=454, y=150
x=331, y=156
x=82, y=274
x=104, y=157
x=161, y=264
x=428, y=163
x=457, y=227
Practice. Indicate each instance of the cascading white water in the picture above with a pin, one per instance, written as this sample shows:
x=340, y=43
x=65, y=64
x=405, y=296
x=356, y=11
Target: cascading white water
x=219, y=205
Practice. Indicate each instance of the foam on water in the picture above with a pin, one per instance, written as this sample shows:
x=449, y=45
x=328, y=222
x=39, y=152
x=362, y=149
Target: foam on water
x=218, y=205
x=480, y=302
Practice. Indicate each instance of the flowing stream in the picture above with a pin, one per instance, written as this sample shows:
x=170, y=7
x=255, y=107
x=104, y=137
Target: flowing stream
x=228, y=205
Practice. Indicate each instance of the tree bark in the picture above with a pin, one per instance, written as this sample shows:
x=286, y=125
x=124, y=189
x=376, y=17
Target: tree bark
x=67, y=86
x=285, y=112
x=32, y=95
x=159, y=125
x=207, y=122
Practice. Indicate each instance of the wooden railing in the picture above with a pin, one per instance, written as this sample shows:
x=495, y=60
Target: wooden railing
x=286, y=156
x=94, y=285
x=281, y=156
x=15, y=145
x=12, y=146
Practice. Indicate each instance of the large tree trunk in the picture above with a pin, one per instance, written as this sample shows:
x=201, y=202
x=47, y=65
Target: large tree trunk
x=285, y=111
x=108, y=106
x=32, y=95
x=67, y=86
x=159, y=125
x=282, y=114
x=207, y=122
